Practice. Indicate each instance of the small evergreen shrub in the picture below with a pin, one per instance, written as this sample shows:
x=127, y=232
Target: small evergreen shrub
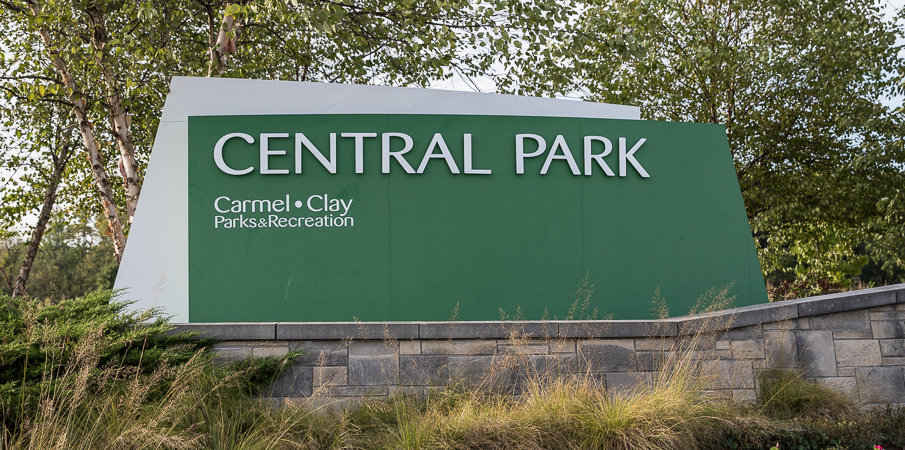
x=90, y=360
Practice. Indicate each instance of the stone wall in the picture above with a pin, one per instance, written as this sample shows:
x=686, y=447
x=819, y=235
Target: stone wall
x=853, y=342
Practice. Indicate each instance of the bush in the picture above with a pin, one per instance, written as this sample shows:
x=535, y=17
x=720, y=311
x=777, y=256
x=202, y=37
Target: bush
x=862, y=430
x=87, y=373
x=42, y=342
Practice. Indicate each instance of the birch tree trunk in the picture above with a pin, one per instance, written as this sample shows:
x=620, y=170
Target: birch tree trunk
x=59, y=165
x=79, y=108
x=120, y=124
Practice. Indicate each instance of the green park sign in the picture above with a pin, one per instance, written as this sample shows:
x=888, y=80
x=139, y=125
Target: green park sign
x=410, y=217
x=362, y=214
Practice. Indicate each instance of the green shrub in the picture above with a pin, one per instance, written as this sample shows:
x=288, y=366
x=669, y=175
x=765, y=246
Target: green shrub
x=862, y=430
x=88, y=373
x=40, y=343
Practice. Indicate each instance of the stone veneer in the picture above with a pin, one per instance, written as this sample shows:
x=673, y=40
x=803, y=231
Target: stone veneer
x=853, y=342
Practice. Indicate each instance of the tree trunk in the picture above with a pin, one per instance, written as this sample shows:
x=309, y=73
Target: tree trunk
x=224, y=45
x=59, y=165
x=120, y=124
x=79, y=108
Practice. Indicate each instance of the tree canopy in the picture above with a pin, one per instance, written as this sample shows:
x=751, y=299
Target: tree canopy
x=799, y=85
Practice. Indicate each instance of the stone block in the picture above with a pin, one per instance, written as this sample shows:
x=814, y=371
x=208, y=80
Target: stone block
x=723, y=345
x=411, y=347
x=623, y=382
x=269, y=351
x=893, y=361
x=717, y=393
x=892, y=347
x=880, y=384
x=617, y=328
x=853, y=334
x=624, y=343
x=700, y=355
x=654, y=361
x=780, y=349
x=857, y=353
x=794, y=324
x=518, y=375
x=888, y=315
x=888, y=329
x=846, y=371
x=607, y=355
x=373, y=348
x=845, y=301
x=410, y=391
x=704, y=341
x=720, y=374
x=655, y=344
x=847, y=386
x=230, y=331
x=346, y=330
x=321, y=353
x=562, y=346
x=648, y=361
x=423, y=370
x=551, y=366
x=354, y=391
x=507, y=347
x=846, y=320
x=761, y=364
x=232, y=350
x=297, y=381
x=816, y=353
x=488, y=330
x=883, y=308
x=458, y=347
x=469, y=369
x=373, y=363
x=753, y=349
x=330, y=376
x=744, y=333
x=744, y=395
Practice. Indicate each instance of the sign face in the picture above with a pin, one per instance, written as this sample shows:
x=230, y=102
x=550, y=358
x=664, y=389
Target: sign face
x=338, y=217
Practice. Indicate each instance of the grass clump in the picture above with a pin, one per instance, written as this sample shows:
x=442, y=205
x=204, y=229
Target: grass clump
x=553, y=409
x=560, y=414
x=786, y=394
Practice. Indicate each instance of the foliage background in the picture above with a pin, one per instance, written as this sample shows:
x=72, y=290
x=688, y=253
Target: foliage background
x=803, y=88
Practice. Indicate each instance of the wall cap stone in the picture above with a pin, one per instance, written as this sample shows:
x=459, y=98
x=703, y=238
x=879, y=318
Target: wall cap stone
x=676, y=326
x=230, y=331
x=347, y=330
